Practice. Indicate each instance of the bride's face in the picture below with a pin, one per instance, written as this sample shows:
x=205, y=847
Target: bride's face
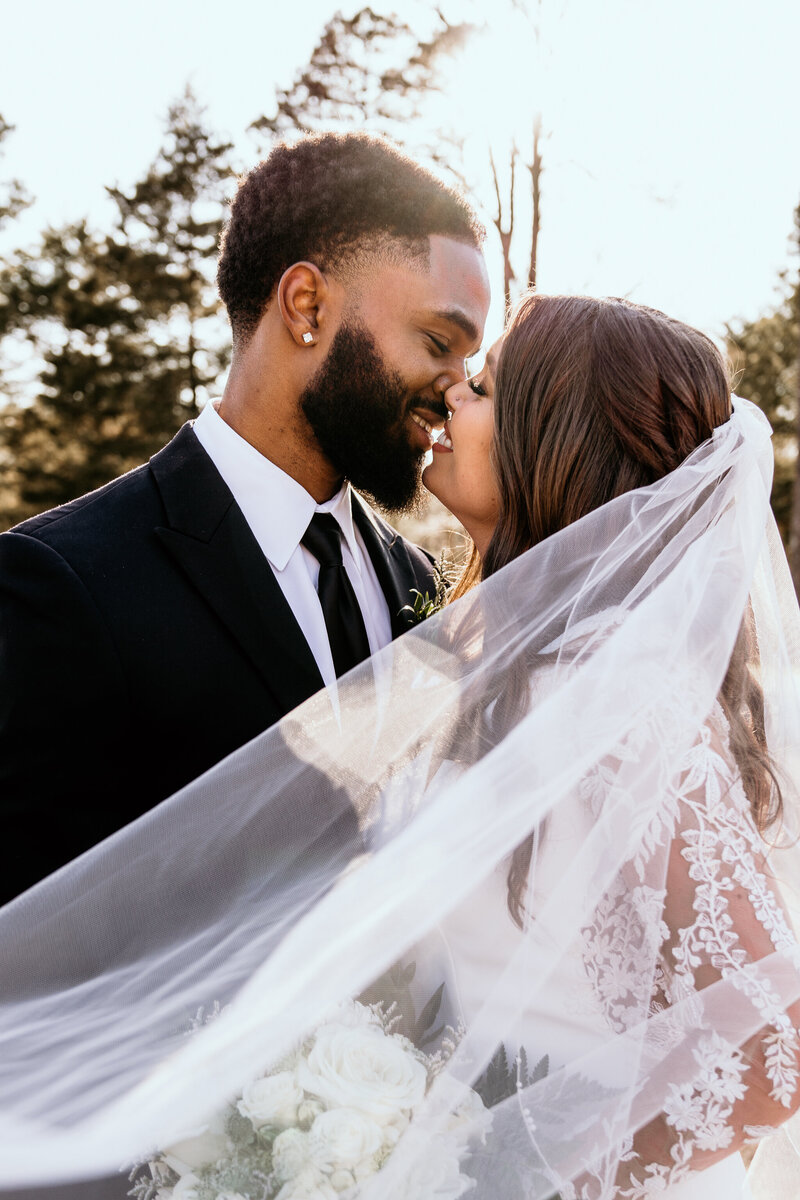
x=461, y=474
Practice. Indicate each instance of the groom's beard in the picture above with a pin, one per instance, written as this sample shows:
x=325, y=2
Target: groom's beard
x=358, y=409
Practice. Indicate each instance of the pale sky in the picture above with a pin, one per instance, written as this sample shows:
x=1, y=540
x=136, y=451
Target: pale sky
x=672, y=162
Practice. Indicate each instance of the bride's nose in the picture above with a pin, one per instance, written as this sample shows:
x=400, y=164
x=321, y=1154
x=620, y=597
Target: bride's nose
x=455, y=394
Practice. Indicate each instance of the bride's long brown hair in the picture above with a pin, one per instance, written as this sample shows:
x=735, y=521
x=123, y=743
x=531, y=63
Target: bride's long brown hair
x=594, y=398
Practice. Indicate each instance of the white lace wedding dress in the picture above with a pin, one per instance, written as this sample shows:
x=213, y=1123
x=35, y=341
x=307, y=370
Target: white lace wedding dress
x=707, y=840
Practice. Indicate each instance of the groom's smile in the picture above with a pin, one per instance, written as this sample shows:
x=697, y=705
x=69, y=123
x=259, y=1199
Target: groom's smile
x=428, y=422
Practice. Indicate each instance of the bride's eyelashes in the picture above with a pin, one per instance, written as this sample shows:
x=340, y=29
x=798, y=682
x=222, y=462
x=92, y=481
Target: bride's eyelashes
x=476, y=387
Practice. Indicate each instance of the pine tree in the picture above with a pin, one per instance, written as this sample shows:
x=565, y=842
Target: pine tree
x=169, y=224
x=98, y=386
x=13, y=196
x=373, y=72
x=13, y=199
x=126, y=325
x=765, y=354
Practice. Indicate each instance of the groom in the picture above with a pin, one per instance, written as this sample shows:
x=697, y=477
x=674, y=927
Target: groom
x=151, y=628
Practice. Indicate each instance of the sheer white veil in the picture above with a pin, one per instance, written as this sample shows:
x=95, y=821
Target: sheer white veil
x=363, y=830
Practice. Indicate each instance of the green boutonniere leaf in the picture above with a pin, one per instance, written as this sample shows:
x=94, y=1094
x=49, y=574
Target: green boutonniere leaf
x=423, y=605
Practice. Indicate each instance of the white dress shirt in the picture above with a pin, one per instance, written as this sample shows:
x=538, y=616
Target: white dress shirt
x=278, y=510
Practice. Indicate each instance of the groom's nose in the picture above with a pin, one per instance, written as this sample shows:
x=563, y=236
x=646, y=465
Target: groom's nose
x=454, y=373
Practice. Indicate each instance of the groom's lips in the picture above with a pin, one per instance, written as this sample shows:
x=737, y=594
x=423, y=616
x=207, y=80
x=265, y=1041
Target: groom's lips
x=425, y=421
x=434, y=414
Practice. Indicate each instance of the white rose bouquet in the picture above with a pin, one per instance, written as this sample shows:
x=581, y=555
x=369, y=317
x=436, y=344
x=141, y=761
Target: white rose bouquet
x=323, y=1120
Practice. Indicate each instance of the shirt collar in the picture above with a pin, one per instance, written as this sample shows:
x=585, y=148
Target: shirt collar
x=276, y=507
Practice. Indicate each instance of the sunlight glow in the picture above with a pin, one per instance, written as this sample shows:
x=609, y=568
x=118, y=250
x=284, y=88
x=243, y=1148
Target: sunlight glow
x=668, y=130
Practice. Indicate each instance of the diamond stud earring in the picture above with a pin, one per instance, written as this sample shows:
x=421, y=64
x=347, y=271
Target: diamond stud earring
x=308, y=338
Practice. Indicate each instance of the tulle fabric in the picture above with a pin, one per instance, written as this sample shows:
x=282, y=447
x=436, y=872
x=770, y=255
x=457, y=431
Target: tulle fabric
x=571, y=699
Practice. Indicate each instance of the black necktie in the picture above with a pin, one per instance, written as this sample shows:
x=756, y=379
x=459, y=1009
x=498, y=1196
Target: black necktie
x=343, y=620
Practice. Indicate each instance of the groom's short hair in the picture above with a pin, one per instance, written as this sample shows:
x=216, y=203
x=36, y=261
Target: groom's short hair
x=329, y=199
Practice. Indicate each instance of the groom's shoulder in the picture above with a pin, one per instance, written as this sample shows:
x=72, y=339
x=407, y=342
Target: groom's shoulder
x=53, y=559
x=91, y=509
x=120, y=508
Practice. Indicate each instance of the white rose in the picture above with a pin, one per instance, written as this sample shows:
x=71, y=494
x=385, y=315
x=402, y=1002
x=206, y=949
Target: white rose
x=341, y=1180
x=308, y=1185
x=272, y=1101
x=394, y=1131
x=308, y=1110
x=435, y=1173
x=203, y=1146
x=344, y=1137
x=363, y=1068
x=230, y=1196
x=351, y=1015
x=469, y=1117
x=291, y=1153
x=186, y=1188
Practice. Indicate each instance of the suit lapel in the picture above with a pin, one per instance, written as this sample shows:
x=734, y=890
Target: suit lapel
x=392, y=563
x=208, y=537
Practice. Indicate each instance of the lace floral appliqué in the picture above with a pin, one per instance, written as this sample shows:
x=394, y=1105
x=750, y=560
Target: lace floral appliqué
x=703, y=845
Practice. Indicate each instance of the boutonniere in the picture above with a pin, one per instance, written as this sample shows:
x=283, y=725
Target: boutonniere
x=423, y=605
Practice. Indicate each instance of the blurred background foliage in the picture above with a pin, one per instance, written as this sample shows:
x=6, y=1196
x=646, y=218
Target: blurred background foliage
x=765, y=357
x=123, y=325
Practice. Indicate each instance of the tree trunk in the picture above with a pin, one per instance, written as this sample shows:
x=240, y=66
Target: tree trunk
x=505, y=234
x=535, y=169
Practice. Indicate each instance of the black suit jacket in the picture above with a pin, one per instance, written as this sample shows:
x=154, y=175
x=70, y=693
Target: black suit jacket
x=144, y=637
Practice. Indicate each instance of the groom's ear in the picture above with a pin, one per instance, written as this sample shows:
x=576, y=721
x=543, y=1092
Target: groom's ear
x=304, y=301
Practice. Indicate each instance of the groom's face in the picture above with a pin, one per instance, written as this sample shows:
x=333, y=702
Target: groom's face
x=377, y=399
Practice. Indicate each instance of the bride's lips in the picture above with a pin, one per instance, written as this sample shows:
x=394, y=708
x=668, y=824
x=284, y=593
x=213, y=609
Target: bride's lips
x=443, y=444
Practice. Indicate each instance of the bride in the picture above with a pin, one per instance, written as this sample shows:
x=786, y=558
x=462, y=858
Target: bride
x=514, y=903
x=598, y=398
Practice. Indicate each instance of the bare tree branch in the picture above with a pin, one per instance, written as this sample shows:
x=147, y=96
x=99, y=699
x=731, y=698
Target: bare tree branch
x=505, y=234
x=535, y=169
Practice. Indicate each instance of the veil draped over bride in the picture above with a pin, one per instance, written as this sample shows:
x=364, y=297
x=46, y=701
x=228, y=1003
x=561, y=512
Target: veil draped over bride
x=521, y=836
